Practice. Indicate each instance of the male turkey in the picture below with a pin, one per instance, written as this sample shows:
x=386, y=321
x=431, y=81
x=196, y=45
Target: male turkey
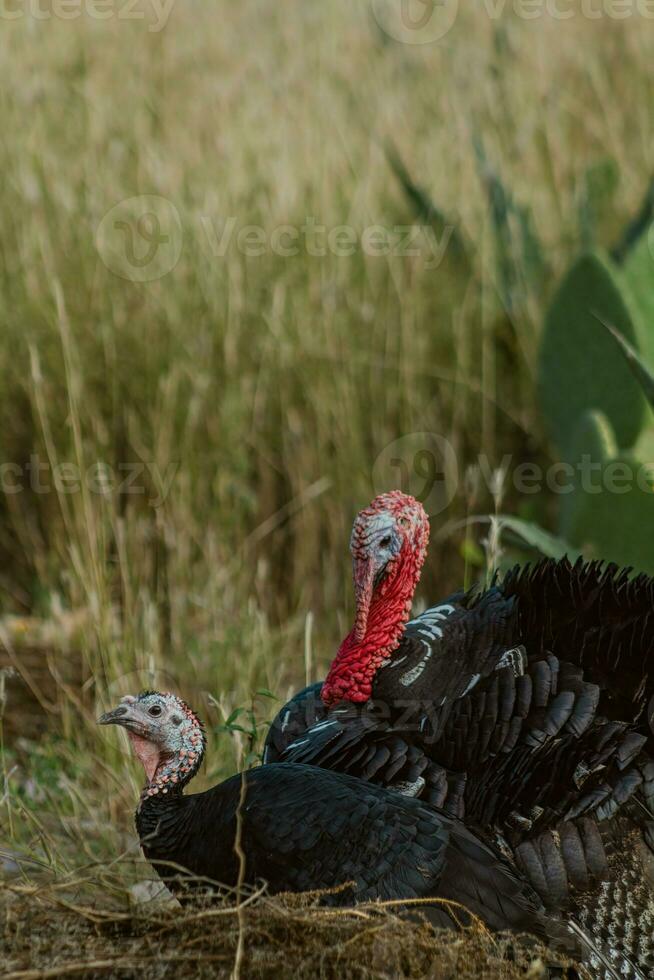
x=301, y=828
x=523, y=707
x=442, y=654
x=594, y=617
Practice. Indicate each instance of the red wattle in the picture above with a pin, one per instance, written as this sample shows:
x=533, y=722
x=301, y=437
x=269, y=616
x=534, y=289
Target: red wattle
x=353, y=670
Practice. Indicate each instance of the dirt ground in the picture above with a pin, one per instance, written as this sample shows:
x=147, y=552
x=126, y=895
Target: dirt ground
x=46, y=933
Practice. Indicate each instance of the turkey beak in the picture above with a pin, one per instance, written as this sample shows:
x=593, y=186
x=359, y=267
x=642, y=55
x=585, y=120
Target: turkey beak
x=116, y=717
x=364, y=581
x=121, y=715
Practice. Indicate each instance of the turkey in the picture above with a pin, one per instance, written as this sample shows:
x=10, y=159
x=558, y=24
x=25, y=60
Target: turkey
x=388, y=661
x=303, y=828
x=523, y=708
x=595, y=619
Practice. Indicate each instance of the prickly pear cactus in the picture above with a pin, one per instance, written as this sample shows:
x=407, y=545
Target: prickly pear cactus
x=618, y=522
x=645, y=447
x=639, y=275
x=593, y=441
x=610, y=512
x=594, y=435
x=579, y=369
x=599, y=219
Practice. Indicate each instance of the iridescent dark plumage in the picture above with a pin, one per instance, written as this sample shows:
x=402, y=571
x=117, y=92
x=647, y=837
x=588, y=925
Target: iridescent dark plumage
x=526, y=713
x=300, y=828
x=306, y=829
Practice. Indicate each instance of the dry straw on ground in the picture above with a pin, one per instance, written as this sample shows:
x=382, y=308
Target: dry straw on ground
x=46, y=933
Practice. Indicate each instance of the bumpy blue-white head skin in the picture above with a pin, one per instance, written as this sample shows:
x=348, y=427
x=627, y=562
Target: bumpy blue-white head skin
x=393, y=522
x=380, y=537
x=166, y=735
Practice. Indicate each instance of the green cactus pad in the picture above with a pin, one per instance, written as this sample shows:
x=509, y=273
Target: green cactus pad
x=644, y=448
x=598, y=218
x=579, y=367
x=592, y=437
x=639, y=276
x=619, y=526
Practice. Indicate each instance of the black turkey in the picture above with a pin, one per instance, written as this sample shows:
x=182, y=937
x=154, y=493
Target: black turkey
x=304, y=828
x=523, y=708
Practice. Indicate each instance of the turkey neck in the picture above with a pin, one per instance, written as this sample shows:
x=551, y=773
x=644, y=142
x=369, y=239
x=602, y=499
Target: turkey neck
x=160, y=822
x=163, y=809
x=195, y=832
x=353, y=670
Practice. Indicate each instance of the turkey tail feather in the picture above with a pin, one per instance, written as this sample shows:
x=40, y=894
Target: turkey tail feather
x=599, y=961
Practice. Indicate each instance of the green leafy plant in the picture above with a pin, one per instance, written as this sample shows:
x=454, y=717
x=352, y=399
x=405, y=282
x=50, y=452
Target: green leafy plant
x=639, y=276
x=245, y=723
x=534, y=537
x=617, y=521
x=519, y=260
x=578, y=369
x=595, y=384
x=594, y=439
x=597, y=214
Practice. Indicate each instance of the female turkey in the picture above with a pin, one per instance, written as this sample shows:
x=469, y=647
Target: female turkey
x=301, y=828
x=523, y=707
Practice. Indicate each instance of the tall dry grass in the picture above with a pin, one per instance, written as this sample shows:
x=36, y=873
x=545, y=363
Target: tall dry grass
x=265, y=387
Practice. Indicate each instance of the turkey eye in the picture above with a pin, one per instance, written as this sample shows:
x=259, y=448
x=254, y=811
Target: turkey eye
x=385, y=542
x=154, y=710
x=404, y=521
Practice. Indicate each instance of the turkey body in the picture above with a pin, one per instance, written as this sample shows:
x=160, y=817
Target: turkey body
x=304, y=829
x=441, y=656
x=529, y=697
x=524, y=711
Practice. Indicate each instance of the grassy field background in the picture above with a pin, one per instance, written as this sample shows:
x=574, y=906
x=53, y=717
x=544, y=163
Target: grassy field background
x=256, y=394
